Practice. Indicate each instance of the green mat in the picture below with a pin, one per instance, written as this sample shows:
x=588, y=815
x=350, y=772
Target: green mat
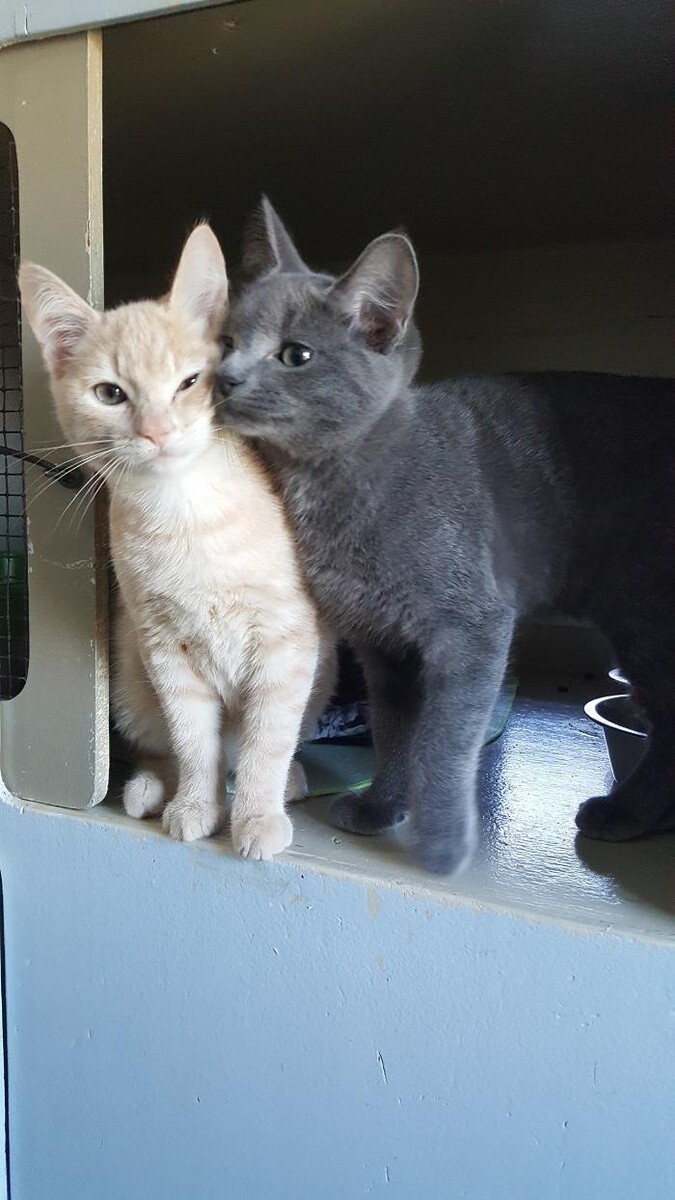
x=333, y=768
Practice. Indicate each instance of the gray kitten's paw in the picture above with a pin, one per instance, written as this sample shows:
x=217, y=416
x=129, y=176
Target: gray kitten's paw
x=444, y=836
x=187, y=819
x=144, y=794
x=361, y=812
x=443, y=857
x=261, y=836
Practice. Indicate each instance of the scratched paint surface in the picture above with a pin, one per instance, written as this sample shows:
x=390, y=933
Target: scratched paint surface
x=184, y=1024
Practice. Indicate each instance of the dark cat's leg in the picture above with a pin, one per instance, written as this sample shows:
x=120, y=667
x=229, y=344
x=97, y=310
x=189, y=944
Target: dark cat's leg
x=645, y=802
x=463, y=672
x=394, y=698
x=429, y=728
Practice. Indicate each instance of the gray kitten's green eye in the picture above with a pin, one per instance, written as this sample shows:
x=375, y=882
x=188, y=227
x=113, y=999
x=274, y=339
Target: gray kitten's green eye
x=188, y=383
x=110, y=393
x=294, y=354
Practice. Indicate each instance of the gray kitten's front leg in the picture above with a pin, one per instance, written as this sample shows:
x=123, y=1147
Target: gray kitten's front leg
x=394, y=699
x=429, y=727
x=463, y=671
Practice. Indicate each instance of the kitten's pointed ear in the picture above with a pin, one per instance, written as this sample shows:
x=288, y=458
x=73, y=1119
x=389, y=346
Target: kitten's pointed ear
x=58, y=317
x=199, y=288
x=378, y=292
x=268, y=246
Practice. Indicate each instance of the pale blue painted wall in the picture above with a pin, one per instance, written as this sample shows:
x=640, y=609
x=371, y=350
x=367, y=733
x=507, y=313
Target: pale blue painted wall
x=182, y=1025
x=21, y=20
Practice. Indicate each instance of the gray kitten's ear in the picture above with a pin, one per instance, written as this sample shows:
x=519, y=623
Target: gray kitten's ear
x=199, y=288
x=378, y=293
x=58, y=317
x=268, y=246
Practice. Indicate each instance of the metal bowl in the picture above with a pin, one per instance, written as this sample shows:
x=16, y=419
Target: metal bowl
x=625, y=731
x=617, y=676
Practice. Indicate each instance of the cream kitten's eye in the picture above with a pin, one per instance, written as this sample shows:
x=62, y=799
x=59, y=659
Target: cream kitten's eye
x=188, y=383
x=294, y=354
x=110, y=393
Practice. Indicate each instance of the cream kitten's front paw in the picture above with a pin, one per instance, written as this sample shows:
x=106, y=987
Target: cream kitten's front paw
x=144, y=794
x=186, y=819
x=262, y=837
x=296, y=784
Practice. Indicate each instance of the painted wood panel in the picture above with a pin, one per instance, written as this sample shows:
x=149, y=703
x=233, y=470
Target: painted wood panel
x=21, y=20
x=54, y=735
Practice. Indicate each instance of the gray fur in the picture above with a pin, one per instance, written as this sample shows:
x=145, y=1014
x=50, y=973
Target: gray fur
x=429, y=519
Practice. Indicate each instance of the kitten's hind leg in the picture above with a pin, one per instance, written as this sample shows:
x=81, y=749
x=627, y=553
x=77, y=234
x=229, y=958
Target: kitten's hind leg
x=394, y=699
x=145, y=792
x=325, y=677
x=645, y=802
x=139, y=718
x=296, y=784
x=323, y=687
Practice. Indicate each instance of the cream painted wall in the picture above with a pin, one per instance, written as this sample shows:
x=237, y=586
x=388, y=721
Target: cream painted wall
x=54, y=734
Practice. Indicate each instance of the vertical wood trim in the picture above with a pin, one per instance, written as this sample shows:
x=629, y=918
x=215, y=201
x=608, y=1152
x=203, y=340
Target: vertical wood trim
x=54, y=735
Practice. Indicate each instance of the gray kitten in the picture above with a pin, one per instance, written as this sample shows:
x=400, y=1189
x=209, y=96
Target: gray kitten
x=429, y=519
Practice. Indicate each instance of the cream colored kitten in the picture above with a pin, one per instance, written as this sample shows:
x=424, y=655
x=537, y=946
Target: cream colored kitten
x=217, y=643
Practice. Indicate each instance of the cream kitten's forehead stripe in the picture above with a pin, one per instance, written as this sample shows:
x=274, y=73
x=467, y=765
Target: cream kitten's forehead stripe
x=145, y=346
x=161, y=355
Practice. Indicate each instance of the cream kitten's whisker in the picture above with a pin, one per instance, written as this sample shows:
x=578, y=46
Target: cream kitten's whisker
x=58, y=470
x=102, y=480
x=64, y=470
x=79, y=497
x=40, y=449
x=87, y=495
x=120, y=467
x=45, y=488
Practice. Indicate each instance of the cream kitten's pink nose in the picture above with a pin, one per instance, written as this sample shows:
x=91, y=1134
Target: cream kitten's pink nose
x=156, y=430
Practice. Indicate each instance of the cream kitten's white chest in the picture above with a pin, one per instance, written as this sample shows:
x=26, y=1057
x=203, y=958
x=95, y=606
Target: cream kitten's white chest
x=203, y=555
x=208, y=523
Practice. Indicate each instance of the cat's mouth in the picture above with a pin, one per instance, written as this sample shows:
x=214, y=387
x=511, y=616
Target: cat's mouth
x=244, y=413
x=164, y=456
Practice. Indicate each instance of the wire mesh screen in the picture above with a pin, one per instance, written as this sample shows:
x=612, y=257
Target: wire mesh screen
x=13, y=541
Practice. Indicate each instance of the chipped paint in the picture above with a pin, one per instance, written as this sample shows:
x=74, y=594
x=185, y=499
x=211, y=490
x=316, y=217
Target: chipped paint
x=373, y=902
x=383, y=1069
x=25, y=19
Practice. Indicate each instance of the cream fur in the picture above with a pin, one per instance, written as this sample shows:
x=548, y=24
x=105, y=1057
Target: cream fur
x=218, y=650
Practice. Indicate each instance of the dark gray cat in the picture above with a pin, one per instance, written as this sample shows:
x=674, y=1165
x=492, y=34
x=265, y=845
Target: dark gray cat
x=429, y=519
